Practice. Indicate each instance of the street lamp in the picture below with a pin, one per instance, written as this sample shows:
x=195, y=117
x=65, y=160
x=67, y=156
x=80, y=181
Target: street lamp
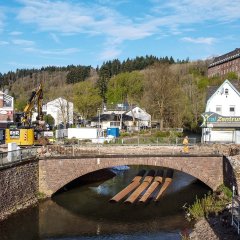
x=98, y=122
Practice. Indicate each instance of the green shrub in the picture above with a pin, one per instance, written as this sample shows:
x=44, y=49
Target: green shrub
x=195, y=211
x=125, y=134
x=209, y=204
x=226, y=191
x=41, y=195
x=160, y=134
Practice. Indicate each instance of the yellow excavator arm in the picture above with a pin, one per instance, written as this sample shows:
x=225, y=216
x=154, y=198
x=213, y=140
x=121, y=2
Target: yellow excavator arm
x=36, y=98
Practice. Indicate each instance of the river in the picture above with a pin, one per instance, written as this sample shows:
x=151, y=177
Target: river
x=84, y=213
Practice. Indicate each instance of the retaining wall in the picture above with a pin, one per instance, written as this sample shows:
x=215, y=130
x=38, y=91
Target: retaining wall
x=18, y=187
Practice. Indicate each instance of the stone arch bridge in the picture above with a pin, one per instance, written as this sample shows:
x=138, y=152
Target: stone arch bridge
x=57, y=171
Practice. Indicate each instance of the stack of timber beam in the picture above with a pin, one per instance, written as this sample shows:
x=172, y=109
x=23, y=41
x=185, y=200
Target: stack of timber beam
x=156, y=182
x=146, y=182
x=133, y=185
x=148, y=187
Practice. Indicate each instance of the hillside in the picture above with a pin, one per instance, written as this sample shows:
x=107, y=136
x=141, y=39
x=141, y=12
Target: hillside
x=172, y=92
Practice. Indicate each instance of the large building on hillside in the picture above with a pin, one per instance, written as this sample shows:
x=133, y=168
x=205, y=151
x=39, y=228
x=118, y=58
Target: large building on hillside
x=229, y=62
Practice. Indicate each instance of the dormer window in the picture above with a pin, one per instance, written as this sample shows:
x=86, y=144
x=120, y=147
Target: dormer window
x=226, y=91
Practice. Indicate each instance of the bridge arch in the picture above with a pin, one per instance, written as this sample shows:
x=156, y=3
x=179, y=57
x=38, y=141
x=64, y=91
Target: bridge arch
x=54, y=173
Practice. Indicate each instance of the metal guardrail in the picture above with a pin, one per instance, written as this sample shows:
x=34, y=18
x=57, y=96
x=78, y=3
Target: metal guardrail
x=12, y=157
x=133, y=141
x=153, y=141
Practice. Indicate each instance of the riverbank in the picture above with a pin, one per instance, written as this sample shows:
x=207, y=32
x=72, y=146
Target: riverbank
x=215, y=228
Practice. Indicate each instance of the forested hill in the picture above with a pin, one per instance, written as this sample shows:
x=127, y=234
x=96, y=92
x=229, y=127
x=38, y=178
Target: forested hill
x=80, y=73
x=173, y=92
x=21, y=82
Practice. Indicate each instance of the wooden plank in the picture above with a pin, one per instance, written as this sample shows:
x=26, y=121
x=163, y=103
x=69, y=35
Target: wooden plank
x=133, y=185
x=146, y=182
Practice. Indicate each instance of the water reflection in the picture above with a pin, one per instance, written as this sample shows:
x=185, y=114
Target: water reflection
x=85, y=213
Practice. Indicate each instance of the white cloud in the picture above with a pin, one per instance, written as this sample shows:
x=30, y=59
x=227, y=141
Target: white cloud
x=15, y=33
x=65, y=51
x=69, y=17
x=100, y=17
x=200, y=40
x=109, y=54
x=198, y=11
x=3, y=43
x=64, y=17
x=23, y=42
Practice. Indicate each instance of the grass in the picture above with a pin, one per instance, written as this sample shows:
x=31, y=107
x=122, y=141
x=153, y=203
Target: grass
x=41, y=195
x=212, y=203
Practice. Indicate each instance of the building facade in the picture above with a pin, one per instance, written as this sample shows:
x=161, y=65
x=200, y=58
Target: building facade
x=144, y=119
x=222, y=65
x=6, y=109
x=123, y=116
x=121, y=121
x=61, y=110
x=221, y=119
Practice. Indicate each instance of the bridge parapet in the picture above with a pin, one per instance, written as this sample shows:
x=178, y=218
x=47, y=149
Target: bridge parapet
x=20, y=155
x=78, y=150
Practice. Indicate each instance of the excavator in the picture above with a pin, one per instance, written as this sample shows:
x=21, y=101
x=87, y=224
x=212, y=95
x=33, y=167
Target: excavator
x=28, y=133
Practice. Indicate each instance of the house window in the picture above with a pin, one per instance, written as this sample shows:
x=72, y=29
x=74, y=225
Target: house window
x=219, y=109
x=226, y=91
x=114, y=124
x=7, y=101
x=232, y=110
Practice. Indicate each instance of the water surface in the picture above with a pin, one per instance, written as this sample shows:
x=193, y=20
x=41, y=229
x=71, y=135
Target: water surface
x=84, y=212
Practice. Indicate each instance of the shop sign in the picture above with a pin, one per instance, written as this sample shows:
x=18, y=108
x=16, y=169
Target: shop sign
x=211, y=117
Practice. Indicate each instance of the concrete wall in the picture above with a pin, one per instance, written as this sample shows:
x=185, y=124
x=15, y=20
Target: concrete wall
x=18, y=187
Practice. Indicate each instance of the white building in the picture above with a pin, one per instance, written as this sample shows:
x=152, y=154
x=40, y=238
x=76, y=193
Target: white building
x=143, y=118
x=121, y=121
x=221, y=120
x=61, y=110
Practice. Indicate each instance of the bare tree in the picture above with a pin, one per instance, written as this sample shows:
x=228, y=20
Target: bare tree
x=64, y=110
x=162, y=95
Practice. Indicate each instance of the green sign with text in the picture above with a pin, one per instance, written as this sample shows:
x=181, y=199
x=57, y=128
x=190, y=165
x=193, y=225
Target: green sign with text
x=211, y=117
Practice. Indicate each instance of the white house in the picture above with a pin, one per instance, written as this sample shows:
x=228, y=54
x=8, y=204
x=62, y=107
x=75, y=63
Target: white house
x=143, y=118
x=6, y=109
x=221, y=120
x=121, y=121
x=122, y=117
x=61, y=110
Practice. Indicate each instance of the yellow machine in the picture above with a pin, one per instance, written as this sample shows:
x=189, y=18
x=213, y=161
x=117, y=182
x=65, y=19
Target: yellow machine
x=29, y=132
x=23, y=137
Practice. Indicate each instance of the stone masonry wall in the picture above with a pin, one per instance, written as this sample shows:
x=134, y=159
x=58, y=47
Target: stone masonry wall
x=18, y=187
x=54, y=173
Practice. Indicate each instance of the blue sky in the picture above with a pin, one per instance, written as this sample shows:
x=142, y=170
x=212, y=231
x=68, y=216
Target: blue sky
x=35, y=33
